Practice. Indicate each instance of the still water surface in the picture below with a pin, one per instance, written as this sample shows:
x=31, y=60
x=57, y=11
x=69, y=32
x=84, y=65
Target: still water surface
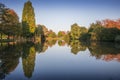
x=57, y=60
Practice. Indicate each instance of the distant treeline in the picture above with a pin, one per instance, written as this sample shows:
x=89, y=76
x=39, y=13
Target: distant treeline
x=12, y=28
x=106, y=30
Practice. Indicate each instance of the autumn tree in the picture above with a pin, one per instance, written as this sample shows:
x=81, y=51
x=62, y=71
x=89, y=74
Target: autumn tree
x=108, y=23
x=9, y=22
x=45, y=30
x=104, y=31
x=11, y=26
x=28, y=20
x=47, y=33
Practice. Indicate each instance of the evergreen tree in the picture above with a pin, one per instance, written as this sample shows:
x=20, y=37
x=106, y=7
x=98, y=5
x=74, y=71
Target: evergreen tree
x=28, y=20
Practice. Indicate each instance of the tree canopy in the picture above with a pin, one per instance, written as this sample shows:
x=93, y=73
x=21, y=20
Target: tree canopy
x=9, y=23
x=28, y=20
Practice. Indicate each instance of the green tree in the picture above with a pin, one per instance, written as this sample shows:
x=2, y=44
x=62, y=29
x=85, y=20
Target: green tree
x=45, y=30
x=28, y=20
x=83, y=34
x=61, y=34
x=51, y=34
x=95, y=31
x=109, y=34
x=39, y=30
x=67, y=38
x=75, y=31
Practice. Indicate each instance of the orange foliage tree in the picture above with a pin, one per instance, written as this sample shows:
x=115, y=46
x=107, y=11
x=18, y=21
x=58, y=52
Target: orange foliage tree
x=111, y=23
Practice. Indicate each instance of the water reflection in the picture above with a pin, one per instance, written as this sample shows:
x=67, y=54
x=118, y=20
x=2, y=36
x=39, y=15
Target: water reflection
x=105, y=51
x=28, y=59
x=10, y=53
x=9, y=58
x=77, y=46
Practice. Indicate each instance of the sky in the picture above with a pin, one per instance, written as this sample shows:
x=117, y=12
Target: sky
x=61, y=14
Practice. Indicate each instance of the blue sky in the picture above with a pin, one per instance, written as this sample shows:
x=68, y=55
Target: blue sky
x=61, y=14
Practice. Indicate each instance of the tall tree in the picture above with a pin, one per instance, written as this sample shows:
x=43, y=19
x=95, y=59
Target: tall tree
x=28, y=20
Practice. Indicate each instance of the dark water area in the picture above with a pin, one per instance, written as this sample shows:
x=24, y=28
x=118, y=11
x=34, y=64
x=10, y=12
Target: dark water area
x=58, y=60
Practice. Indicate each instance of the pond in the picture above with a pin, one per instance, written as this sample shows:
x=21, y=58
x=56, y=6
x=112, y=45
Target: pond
x=58, y=60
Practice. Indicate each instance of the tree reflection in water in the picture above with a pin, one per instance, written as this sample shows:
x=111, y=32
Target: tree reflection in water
x=10, y=53
x=77, y=46
x=9, y=58
x=105, y=51
x=28, y=59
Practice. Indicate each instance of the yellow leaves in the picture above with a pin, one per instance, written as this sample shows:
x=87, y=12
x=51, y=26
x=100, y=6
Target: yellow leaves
x=32, y=28
x=32, y=50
